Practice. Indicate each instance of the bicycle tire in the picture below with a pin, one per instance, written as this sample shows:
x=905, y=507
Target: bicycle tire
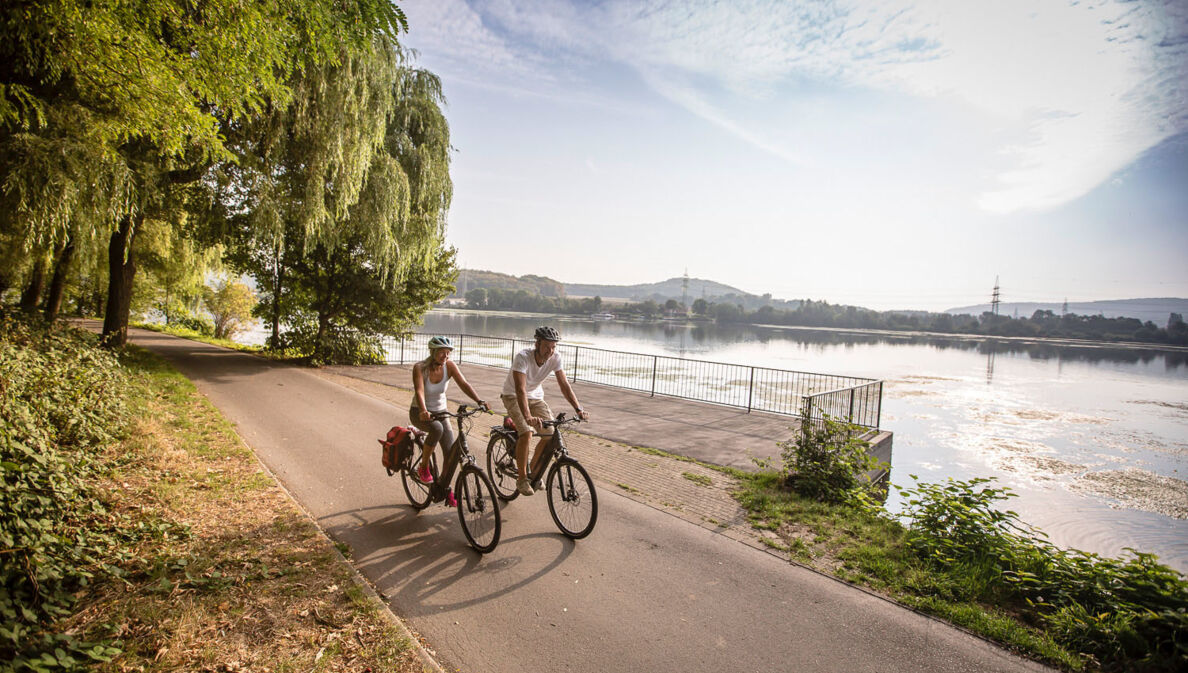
x=478, y=509
x=501, y=466
x=418, y=492
x=573, y=502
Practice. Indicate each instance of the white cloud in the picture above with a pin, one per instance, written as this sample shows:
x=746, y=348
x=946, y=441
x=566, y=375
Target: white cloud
x=1073, y=91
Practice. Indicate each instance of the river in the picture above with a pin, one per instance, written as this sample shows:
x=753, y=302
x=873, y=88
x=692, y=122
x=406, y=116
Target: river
x=1094, y=439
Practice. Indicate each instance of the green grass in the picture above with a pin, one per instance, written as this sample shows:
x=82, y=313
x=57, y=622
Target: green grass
x=200, y=556
x=195, y=335
x=699, y=479
x=872, y=551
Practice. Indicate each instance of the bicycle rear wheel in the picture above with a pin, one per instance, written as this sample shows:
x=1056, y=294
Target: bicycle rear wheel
x=417, y=490
x=501, y=466
x=478, y=509
x=573, y=502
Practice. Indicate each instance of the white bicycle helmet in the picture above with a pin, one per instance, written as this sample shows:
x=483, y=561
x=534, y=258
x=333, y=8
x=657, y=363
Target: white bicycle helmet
x=440, y=342
x=547, y=334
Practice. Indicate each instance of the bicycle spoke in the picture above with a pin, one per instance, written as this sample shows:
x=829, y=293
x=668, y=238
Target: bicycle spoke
x=478, y=510
x=418, y=492
x=501, y=466
x=572, y=499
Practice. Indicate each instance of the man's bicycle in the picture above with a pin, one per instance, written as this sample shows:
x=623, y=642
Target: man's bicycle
x=478, y=509
x=573, y=502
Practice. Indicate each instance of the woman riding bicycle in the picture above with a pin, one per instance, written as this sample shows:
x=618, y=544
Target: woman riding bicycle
x=431, y=378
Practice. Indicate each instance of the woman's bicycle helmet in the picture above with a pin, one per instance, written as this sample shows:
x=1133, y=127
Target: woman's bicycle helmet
x=440, y=342
x=547, y=334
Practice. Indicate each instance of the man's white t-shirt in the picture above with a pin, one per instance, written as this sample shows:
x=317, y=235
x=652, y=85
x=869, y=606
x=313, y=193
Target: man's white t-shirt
x=534, y=375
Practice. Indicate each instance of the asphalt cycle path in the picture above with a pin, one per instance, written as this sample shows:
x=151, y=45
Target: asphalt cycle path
x=645, y=592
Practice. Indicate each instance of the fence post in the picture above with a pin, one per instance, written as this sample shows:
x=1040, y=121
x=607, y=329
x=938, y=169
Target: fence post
x=460, y=353
x=401, y=349
x=654, y=361
x=751, y=390
x=879, y=413
x=575, y=361
x=850, y=417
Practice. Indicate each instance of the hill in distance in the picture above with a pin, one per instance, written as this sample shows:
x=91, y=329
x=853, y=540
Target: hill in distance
x=470, y=279
x=667, y=289
x=1156, y=309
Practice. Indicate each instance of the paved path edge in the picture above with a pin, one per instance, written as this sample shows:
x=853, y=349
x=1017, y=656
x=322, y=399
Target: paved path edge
x=428, y=662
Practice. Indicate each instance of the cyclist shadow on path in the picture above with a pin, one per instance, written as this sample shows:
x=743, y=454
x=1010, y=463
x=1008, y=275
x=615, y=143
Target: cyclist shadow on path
x=414, y=557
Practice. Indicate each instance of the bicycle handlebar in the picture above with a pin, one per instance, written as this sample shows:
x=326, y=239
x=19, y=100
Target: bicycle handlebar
x=562, y=420
x=464, y=411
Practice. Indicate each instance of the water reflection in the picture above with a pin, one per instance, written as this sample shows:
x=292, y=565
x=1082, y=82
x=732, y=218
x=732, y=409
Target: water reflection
x=1039, y=416
x=693, y=338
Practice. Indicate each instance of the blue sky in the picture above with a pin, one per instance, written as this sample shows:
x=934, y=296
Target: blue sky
x=887, y=154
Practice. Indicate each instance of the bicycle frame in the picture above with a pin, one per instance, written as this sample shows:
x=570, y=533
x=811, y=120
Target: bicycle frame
x=452, y=457
x=554, y=450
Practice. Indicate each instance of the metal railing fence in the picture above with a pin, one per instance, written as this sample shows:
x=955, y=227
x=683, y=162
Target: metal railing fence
x=860, y=405
x=779, y=391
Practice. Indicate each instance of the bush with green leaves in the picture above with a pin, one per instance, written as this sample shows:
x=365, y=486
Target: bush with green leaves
x=1129, y=613
x=333, y=344
x=61, y=399
x=199, y=324
x=829, y=461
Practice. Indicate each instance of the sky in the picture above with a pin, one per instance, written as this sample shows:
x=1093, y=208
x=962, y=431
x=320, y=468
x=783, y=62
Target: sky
x=894, y=155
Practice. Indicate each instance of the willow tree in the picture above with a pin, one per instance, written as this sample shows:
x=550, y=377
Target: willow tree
x=340, y=204
x=389, y=263
x=136, y=99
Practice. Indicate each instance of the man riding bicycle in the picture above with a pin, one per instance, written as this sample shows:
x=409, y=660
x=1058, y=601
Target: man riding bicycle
x=523, y=397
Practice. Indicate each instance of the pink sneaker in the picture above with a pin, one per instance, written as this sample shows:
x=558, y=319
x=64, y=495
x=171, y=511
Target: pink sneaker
x=424, y=475
x=450, y=500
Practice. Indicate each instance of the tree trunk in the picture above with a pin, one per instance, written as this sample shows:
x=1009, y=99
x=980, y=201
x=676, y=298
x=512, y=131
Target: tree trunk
x=53, y=303
x=276, y=294
x=319, y=346
x=31, y=297
x=121, y=271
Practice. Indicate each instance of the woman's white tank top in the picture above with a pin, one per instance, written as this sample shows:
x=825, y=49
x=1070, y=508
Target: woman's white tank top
x=435, y=393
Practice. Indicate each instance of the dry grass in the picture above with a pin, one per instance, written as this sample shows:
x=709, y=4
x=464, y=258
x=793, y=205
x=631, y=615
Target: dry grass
x=235, y=577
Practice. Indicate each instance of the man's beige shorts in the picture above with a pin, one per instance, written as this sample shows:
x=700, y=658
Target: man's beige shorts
x=539, y=409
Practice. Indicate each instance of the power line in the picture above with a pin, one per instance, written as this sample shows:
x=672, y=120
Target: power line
x=994, y=297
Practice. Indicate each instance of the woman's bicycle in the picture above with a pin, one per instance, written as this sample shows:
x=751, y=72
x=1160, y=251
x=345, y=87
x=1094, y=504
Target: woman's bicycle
x=573, y=502
x=478, y=509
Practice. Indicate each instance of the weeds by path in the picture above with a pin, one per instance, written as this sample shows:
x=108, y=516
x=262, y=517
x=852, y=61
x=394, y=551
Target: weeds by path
x=237, y=579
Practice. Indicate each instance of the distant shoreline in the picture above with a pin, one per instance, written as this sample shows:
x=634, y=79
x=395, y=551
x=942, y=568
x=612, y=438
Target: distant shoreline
x=1086, y=343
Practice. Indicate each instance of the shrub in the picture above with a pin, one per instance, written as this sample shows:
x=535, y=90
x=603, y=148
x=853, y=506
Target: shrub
x=61, y=398
x=230, y=304
x=334, y=345
x=828, y=461
x=1128, y=613
x=957, y=521
x=197, y=323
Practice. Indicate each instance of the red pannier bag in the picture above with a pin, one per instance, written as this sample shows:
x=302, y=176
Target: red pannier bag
x=397, y=448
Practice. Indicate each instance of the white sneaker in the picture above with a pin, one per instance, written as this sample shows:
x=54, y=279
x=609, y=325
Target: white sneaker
x=524, y=487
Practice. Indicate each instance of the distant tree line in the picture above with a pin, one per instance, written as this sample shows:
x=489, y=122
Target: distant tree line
x=809, y=313
x=493, y=280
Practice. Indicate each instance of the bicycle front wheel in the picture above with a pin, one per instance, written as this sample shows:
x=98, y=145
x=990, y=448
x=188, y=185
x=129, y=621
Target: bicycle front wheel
x=573, y=502
x=501, y=465
x=417, y=490
x=477, y=509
